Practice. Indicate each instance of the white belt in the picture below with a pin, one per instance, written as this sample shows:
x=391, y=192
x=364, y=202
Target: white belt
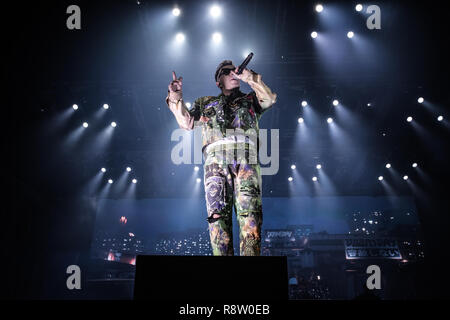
x=229, y=140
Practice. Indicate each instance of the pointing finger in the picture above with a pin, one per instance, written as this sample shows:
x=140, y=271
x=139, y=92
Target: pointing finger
x=174, y=76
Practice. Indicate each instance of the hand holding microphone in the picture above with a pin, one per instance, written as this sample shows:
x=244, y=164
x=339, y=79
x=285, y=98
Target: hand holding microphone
x=241, y=72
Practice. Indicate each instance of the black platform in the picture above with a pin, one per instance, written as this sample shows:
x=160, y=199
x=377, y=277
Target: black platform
x=211, y=278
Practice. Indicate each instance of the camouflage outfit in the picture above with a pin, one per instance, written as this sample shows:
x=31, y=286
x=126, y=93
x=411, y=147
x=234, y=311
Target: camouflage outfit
x=232, y=175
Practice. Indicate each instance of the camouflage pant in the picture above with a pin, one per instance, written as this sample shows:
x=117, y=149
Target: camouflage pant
x=233, y=181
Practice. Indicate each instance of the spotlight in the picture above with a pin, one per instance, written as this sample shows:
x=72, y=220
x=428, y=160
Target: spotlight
x=176, y=12
x=85, y=124
x=179, y=37
x=319, y=8
x=420, y=100
x=75, y=107
x=103, y=170
x=198, y=180
x=330, y=120
x=217, y=37
x=380, y=178
x=388, y=165
x=300, y=120
x=293, y=167
x=290, y=179
x=335, y=102
x=358, y=7
x=313, y=34
x=196, y=168
x=409, y=119
x=215, y=11
x=405, y=177
x=105, y=106
x=134, y=181
x=319, y=166
x=110, y=181
x=304, y=103
x=113, y=124
x=350, y=34
x=314, y=178
x=414, y=165
x=369, y=104
x=188, y=104
x=128, y=169
x=440, y=118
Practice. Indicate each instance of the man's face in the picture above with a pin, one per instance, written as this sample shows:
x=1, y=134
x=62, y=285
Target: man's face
x=227, y=81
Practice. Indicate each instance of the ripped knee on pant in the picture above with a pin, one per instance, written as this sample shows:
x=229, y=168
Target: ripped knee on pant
x=214, y=217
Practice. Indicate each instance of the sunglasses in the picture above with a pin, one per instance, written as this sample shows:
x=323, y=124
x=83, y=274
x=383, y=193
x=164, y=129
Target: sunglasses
x=225, y=72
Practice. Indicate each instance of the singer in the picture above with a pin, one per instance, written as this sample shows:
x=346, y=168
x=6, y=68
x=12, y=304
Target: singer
x=231, y=179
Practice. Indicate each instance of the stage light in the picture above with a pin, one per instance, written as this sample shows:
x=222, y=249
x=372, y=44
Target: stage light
x=369, y=104
x=319, y=8
x=409, y=119
x=358, y=7
x=380, y=178
x=198, y=180
x=188, y=104
x=215, y=11
x=335, y=102
x=319, y=166
x=110, y=181
x=196, y=168
x=420, y=100
x=105, y=106
x=75, y=107
x=134, y=181
x=290, y=179
x=300, y=120
x=85, y=124
x=179, y=37
x=350, y=34
x=293, y=167
x=405, y=177
x=313, y=34
x=314, y=178
x=388, y=165
x=330, y=120
x=440, y=118
x=128, y=169
x=304, y=103
x=103, y=170
x=217, y=37
x=176, y=12
x=414, y=165
x=113, y=124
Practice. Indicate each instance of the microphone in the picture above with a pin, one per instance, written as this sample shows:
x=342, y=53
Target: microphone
x=245, y=63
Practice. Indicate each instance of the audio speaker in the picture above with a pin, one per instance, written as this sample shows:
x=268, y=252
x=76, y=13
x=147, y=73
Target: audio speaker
x=211, y=278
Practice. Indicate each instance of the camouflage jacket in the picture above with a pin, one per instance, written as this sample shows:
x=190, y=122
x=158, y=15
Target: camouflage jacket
x=238, y=112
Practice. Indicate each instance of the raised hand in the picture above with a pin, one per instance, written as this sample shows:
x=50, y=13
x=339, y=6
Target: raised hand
x=176, y=87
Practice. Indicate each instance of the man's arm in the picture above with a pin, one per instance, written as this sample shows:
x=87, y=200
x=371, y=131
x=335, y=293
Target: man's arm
x=184, y=118
x=174, y=100
x=265, y=96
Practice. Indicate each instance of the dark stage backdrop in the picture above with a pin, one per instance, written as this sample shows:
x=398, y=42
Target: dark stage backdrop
x=148, y=219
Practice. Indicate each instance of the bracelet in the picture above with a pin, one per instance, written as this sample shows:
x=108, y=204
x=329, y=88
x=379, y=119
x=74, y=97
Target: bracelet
x=173, y=101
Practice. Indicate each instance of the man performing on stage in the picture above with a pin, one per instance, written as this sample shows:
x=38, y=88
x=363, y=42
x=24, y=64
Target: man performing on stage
x=230, y=179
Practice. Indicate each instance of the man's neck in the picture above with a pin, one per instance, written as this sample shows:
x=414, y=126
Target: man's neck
x=227, y=92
